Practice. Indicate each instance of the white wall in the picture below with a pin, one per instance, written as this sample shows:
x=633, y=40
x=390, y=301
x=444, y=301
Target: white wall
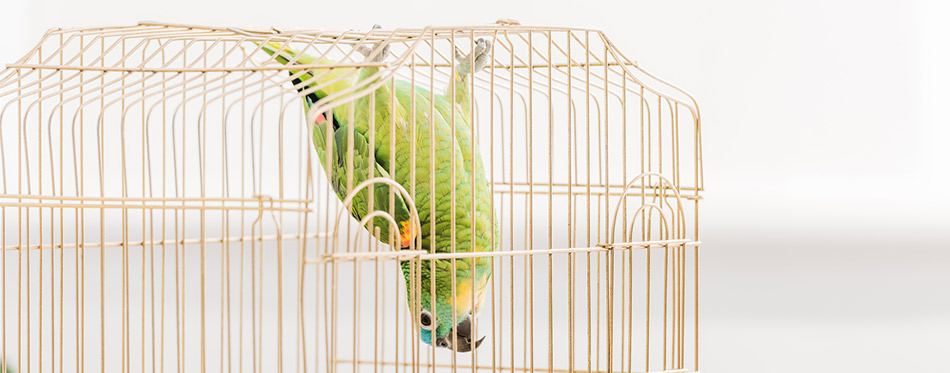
x=826, y=154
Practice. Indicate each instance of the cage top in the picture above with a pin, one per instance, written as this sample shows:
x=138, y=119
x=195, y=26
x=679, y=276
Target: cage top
x=152, y=47
x=116, y=38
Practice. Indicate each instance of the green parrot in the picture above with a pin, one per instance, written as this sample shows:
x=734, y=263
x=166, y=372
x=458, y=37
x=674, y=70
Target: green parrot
x=343, y=137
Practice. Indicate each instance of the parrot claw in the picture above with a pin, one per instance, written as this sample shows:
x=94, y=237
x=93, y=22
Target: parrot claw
x=476, y=60
x=381, y=51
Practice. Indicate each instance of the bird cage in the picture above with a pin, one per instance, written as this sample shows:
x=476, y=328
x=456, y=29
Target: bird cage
x=168, y=203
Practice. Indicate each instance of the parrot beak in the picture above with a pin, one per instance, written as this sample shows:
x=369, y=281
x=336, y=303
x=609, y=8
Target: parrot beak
x=463, y=338
x=468, y=347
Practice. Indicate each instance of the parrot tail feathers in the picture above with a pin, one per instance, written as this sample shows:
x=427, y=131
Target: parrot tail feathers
x=284, y=54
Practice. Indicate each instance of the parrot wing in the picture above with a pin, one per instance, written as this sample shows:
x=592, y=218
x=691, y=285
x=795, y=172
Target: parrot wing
x=349, y=165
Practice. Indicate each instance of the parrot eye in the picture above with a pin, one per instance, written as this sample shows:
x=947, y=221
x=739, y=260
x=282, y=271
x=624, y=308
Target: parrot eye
x=425, y=320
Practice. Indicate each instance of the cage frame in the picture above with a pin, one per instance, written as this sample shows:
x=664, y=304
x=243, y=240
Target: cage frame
x=264, y=204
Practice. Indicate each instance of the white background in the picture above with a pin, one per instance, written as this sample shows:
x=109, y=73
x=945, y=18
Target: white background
x=825, y=144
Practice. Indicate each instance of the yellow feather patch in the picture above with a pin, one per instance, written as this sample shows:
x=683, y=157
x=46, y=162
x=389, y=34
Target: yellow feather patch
x=463, y=295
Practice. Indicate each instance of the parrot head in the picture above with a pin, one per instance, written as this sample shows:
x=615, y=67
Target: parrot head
x=458, y=338
x=438, y=325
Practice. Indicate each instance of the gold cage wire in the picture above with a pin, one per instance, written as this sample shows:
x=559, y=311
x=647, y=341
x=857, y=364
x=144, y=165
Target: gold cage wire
x=164, y=210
